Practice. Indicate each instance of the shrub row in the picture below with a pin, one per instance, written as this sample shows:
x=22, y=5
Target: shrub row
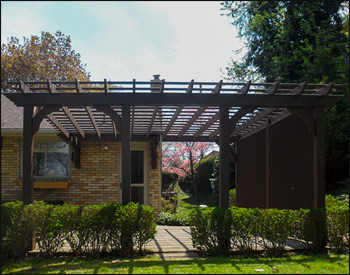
x=219, y=231
x=94, y=230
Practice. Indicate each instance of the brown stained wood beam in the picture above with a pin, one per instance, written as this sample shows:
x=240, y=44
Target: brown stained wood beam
x=108, y=110
x=244, y=90
x=217, y=89
x=134, y=85
x=162, y=86
x=299, y=89
x=238, y=115
x=93, y=121
x=253, y=120
x=190, y=87
x=325, y=90
x=173, y=119
x=106, y=86
x=28, y=152
x=132, y=120
x=224, y=171
x=206, y=125
x=77, y=86
x=174, y=99
x=51, y=87
x=73, y=121
x=152, y=120
x=126, y=155
x=191, y=121
x=41, y=114
x=265, y=124
x=273, y=88
x=23, y=87
x=58, y=125
x=306, y=116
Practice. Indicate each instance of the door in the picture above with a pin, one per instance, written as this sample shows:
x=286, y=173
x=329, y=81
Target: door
x=139, y=174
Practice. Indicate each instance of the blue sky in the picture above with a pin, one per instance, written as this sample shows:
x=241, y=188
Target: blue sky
x=133, y=39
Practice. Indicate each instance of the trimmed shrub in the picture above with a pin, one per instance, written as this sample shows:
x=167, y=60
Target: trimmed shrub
x=338, y=223
x=17, y=227
x=245, y=229
x=91, y=229
x=211, y=230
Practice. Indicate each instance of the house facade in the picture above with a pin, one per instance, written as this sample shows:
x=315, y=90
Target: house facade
x=56, y=175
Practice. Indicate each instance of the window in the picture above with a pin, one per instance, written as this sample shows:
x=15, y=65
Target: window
x=51, y=159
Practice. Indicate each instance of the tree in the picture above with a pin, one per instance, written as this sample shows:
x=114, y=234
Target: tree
x=38, y=58
x=296, y=41
x=181, y=157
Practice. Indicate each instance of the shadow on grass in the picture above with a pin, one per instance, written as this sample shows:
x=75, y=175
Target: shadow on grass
x=155, y=265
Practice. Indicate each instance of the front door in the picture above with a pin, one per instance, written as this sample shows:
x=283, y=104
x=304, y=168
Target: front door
x=139, y=174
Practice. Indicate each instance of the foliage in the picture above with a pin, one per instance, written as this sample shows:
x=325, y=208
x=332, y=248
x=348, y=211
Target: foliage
x=169, y=203
x=180, y=217
x=17, y=226
x=309, y=44
x=204, y=170
x=48, y=56
x=211, y=230
x=92, y=230
x=181, y=158
x=169, y=179
x=248, y=228
x=338, y=222
x=232, y=197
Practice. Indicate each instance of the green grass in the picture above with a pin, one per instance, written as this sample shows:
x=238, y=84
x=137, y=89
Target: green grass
x=293, y=264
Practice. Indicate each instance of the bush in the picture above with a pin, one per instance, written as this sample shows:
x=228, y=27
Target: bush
x=17, y=227
x=91, y=229
x=211, y=230
x=204, y=170
x=338, y=222
x=180, y=217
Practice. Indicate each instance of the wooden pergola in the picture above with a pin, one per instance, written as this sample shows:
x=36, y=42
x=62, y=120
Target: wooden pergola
x=171, y=111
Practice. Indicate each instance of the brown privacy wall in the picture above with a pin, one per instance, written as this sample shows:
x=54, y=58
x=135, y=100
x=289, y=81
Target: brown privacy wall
x=281, y=177
x=251, y=171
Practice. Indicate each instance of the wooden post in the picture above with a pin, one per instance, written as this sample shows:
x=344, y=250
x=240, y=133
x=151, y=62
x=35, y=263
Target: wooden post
x=267, y=167
x=319, y=158
x=126, y=155
x=28, y=149
x=224, y=157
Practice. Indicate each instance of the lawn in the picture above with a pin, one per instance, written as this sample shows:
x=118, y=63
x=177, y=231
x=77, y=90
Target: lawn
x=292, y=264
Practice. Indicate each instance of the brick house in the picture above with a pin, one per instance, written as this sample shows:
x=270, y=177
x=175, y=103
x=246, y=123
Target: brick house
x=56, y=177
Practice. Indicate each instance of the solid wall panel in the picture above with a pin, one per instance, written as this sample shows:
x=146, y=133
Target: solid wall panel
x=291, y=165
x=250, y=169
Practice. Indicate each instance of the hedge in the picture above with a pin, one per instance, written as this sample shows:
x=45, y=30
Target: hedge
x=93, y=230
x=219, y=231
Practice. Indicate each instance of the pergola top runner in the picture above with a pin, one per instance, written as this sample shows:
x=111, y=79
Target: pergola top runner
x=177, y=111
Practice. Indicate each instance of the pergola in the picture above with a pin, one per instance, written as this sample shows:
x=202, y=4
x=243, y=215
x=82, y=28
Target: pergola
x=128, y=111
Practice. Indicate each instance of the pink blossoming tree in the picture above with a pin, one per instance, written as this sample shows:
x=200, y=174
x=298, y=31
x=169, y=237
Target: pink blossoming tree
x=181, y=157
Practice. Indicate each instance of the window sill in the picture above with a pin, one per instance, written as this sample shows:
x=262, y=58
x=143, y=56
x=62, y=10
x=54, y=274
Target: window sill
x=48, y=184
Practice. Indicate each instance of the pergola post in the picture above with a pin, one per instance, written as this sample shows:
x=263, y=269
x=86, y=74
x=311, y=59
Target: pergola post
x=126, y=155
x=224, y=184
x=28, y=149
x=319, y=158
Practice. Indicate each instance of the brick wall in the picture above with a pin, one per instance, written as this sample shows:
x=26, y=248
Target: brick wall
x=95, y=182
x=10, y=168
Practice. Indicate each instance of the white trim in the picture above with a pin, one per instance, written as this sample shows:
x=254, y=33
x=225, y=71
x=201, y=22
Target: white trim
x=136, y=146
